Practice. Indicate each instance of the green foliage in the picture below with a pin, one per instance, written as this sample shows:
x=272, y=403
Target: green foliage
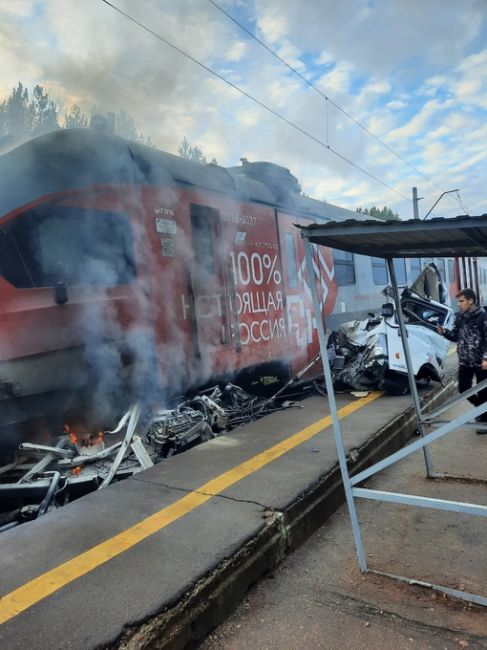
x=386, y=214
x=44, y=114
x=121, y=123
x=185, y=150
x=75, y=119
x=16, y=114
x=23, y=117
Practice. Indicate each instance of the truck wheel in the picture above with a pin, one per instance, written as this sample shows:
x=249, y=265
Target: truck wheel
x=396, y=383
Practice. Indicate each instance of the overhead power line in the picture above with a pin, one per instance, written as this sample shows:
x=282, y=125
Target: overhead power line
x=325, y=97
x=316, y=89
x=252, y=98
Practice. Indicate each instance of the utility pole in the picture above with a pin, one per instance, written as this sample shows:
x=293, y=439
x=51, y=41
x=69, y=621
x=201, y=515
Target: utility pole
x=415, y=203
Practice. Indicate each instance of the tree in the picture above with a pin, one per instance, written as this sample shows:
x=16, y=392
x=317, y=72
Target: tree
x=43, y=112
x=16, y=113
x=125, y=126
x=22, y=117
x=121, y=123
x=185, y=150
x=386, y=214
x=75, y=119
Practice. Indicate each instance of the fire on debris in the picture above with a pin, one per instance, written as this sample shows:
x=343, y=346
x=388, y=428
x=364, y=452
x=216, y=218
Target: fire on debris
x=43, y=477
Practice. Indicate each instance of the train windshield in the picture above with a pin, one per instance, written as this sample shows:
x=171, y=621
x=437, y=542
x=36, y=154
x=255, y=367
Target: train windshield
x=79, y=245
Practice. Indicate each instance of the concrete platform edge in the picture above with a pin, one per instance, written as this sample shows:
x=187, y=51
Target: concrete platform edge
x=210, y=600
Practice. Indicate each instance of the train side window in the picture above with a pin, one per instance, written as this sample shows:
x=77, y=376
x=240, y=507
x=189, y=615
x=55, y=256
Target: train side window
x=379, y=270
x=440, y=264
x=14, y=266
x=415, y=266
x=88, y=246
x=344, y=267
x=451, y=270
x=400, y=270
x=291, y=261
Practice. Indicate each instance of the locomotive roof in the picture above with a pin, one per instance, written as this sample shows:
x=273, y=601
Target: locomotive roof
x=70, y=159
x=462, y=236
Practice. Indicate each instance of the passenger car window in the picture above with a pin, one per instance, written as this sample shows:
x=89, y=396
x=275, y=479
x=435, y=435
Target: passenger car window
x=451, y=270
x=440, y=263
x=400, y=270
x=344, y=267
x=379, y=270
x=415, y=266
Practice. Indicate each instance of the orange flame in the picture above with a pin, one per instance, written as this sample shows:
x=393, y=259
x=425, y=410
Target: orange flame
x=83, y=438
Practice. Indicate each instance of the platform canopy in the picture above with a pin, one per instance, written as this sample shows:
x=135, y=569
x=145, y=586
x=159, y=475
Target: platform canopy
x=463, y=236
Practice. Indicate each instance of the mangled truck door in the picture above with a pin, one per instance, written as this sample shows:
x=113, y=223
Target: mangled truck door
x=207, y=282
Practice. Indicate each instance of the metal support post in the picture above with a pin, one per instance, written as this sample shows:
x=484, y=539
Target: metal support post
x=333, y=409
x=409, y=365
x=415, y=203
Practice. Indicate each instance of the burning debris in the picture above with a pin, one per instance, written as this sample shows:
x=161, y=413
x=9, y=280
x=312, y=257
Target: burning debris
x=45, y=477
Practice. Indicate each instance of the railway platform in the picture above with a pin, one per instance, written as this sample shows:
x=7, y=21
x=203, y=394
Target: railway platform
x=160, y=559
x=317, y=598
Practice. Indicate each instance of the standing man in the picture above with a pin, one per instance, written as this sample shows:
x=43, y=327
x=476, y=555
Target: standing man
x=470, y=333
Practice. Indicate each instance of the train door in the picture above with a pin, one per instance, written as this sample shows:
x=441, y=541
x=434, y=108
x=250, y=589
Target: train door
x=207, y=283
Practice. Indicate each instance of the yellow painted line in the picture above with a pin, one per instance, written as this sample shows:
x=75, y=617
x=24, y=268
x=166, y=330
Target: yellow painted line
x=48, y=583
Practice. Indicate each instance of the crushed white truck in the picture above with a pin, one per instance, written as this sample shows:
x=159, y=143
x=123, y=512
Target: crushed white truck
x=368, y=354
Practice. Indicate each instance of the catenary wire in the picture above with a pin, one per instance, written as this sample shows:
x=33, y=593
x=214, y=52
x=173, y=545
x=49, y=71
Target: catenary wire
x=328, y=99
x=464, y=208
x=254, y=99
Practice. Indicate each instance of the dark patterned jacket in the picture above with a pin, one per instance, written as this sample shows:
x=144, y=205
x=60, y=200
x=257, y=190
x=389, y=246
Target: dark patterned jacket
x=470, y=333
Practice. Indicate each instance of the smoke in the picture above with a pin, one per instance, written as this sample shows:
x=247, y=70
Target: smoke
x=138, y=338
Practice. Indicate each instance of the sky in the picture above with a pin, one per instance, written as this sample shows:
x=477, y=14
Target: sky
x=406, y=82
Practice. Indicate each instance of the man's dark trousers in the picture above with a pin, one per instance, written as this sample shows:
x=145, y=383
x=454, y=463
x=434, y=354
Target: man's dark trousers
x=465, y=381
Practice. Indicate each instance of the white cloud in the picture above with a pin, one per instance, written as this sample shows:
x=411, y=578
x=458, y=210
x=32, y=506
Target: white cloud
x=271, y=22
x=395, y=104
x=338, y=80
x=19, y=8
x=385, y=59
x=324, y=58
x=236, y=51
x=421, y=120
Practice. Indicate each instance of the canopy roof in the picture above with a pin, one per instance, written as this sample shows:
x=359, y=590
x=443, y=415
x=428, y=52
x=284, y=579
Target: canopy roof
x=463, y=236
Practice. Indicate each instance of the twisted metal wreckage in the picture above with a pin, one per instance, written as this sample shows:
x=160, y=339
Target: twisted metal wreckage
x=76, y=464
x=361, y=354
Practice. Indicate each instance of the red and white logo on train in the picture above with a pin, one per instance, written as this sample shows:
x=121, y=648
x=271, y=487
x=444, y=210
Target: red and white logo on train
x=324, y=269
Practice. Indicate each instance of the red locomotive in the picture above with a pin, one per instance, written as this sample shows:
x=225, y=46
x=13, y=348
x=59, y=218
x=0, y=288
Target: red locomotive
x=129, y=272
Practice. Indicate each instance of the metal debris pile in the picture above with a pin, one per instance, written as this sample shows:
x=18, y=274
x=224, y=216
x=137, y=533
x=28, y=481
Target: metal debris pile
x=45, y=477
x=201, y=418
x=358, y=353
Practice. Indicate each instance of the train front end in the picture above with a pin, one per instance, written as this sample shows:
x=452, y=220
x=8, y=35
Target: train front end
x=68, y=288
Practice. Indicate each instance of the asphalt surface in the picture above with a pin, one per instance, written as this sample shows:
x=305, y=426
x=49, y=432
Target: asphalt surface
x=159, y=560
x=319, y=599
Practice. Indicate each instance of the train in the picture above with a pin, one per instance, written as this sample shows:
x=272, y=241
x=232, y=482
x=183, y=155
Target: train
x=130, y=273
